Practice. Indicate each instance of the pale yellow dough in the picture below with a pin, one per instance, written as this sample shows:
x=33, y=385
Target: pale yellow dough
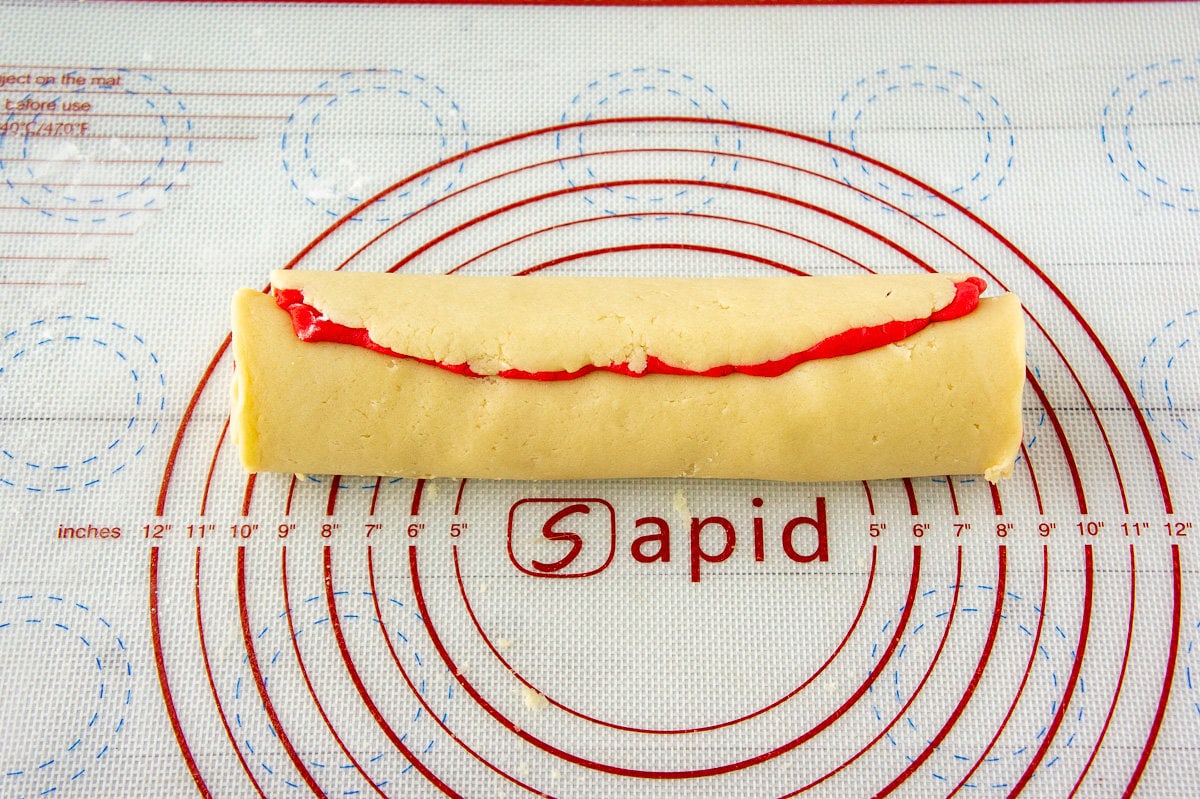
x=944, y=401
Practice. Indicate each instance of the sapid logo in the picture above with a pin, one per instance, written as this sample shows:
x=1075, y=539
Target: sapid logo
x=577, y=537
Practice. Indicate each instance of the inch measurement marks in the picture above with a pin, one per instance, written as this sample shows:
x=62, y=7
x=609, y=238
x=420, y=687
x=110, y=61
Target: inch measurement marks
x=243, y=530
x=456, y=527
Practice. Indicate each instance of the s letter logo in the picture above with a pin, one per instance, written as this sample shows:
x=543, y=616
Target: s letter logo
x=552, y=537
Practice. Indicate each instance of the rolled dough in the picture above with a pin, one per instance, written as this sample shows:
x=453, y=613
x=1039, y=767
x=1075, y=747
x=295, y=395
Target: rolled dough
x=458, y=383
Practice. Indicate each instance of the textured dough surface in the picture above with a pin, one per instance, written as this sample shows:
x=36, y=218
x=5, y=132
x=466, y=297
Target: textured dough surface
x=546, y=324
x=944, y=401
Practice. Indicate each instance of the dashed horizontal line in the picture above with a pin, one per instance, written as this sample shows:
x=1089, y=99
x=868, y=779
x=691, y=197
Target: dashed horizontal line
x=97, y=115
x=81, y=161
x=53, y=257
x=59, y=419
x=83, y=208
x=103, y=92
x=38, y=283
x=1120, y=409
x=999, y=128
x=223, y=70
x=1099, y=262
x=36, y=183
x=157, y=137
x=65, y=233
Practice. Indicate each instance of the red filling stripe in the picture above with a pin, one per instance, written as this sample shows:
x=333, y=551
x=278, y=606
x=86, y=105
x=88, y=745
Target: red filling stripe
x=309, y=325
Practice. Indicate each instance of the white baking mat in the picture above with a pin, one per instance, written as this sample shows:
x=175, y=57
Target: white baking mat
x=924, y=637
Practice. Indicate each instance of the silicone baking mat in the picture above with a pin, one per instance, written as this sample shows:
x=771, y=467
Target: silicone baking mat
x=168, y=626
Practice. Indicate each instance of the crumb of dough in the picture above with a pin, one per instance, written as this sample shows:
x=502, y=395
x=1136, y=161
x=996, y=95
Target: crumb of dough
x=533, y=699
x=681, y=504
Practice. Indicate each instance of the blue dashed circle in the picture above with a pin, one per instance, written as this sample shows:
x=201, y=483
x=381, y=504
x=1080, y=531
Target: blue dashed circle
x=987, y=176
x=173, y=131
x=1168, y=385
x=304, y=125
x=74, y=630
x=348, y=483
x=958, y=480
x=91, y=337
x=252, y=727
x=1191, y=676
x=1034, y=418
x=1116, y=132
x=888, y=694
x=682, y=94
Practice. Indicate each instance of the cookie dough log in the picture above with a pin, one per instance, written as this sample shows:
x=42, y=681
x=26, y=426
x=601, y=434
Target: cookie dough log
x=564, y=377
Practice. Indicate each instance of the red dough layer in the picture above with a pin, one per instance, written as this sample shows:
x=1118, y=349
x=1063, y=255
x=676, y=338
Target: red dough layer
x=309, y=325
